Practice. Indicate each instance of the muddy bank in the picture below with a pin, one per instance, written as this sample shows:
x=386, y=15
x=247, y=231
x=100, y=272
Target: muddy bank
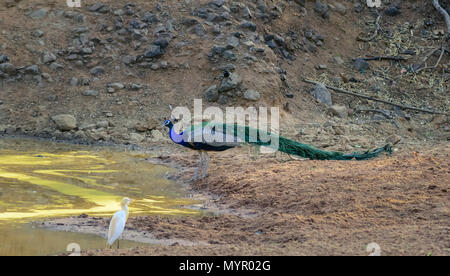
x=306, y=207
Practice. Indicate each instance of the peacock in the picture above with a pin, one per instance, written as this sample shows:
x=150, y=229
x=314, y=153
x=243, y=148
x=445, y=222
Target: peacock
x=231, y=136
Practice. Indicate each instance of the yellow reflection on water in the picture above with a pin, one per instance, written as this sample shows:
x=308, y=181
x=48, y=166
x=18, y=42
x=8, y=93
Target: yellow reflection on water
x=40, y=180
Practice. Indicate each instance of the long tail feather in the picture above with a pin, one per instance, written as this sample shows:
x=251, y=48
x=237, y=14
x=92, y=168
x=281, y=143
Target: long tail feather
x=295, y=148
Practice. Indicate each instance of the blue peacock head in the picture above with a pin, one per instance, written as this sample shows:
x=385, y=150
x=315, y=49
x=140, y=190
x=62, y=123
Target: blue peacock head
x=168, y=123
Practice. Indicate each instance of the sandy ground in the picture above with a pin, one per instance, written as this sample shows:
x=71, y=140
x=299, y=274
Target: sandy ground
x=275, y=206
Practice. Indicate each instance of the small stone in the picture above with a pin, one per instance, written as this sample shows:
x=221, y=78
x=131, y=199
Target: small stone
x=8, y=68
x=229, y=55
x=361, y=65
x=32, y=70
x=74, y=81
x=39, y=14
x=161, y=42
x=252, y=95
x=37, y=33
x=153, y=51
x=321, y=9
x=232, y=42
x=232, y=82
x=48, y=58
x=212, y=94
x=3, y=59
x=136, y=137
x=322, y=94
x=56, y=66
x=248, y=25
x=338, y=60
x=340, y=8
x=90, y=92
x=200, y=30
x=223, y=99
x=157, y=136
x=65, y=122
x=116, y=85
x=392, y=11
x=102, y=124
x=98, y=70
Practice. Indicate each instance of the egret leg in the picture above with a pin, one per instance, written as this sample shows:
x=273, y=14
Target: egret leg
x=205, y=168
x=199, y=169
x=118, y=244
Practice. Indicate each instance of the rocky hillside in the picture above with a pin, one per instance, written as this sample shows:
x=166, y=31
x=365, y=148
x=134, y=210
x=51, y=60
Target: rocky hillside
x=109, y=70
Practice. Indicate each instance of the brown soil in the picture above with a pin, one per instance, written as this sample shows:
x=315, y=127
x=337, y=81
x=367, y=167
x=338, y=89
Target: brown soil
x=303, y=207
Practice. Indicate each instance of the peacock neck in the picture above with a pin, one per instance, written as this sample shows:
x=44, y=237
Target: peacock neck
x=175, y=137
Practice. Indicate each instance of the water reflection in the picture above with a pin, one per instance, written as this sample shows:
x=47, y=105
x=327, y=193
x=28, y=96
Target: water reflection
x=43, y=179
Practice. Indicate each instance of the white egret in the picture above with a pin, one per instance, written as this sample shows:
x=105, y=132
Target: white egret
x=118, y=221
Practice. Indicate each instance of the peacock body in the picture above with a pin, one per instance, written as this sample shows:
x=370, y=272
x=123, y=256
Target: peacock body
x=210, y=136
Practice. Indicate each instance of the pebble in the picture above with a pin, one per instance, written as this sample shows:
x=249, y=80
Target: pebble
x=252, y=95
x=90, y=92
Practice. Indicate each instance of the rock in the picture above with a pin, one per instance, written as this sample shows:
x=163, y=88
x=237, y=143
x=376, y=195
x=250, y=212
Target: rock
x=339, y=111
x=127, y=60
x=38, y=33
x=48, y=58
x=116, y=85
x=361, y=65
x=248, y=25
x=161, y=42
x=338, y=60
x=164, y=64
x=32, y=70
x=189, y=21
x=3, y=59
x=200, y=30
x=217, y=3
x=212, y=94
x=153, y=51
x=321, y=9
x=99, y=7
x=217, y=50
x=322, y=94
x=90, y=92
x=39, y=14
x=393, y=139
x=141, y=127
x=358, y=7
x=232, y=42
x=74, y=81
x=157, y=136
x=247, y=13
x=136, y=137
x=65, y=122
x=56, y=66
x=252, y=95
x=392, y=11
x=102, y=124
x=229, y=55
x=7, y=68
x=223, y=99
x=97, y=70
x=232, y=82
x=340, y=8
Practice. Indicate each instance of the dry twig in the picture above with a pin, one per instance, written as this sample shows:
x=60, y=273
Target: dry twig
x=340, y=90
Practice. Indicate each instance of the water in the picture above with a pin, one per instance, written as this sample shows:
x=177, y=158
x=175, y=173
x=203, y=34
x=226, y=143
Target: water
x=40, y=180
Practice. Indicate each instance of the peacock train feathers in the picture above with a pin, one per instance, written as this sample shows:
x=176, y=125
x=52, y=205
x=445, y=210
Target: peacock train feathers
x=220, y=137
x=245, y=134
